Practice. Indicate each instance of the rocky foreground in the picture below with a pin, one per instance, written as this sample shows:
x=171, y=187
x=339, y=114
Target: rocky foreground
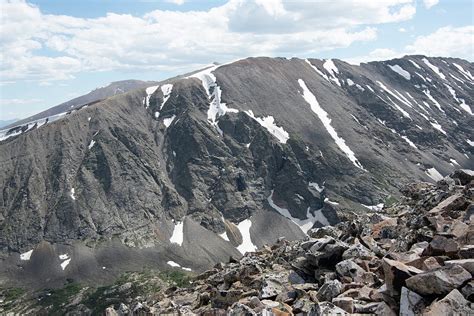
x=415, y=257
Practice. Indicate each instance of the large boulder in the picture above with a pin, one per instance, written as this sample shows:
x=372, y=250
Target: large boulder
x=438, y=282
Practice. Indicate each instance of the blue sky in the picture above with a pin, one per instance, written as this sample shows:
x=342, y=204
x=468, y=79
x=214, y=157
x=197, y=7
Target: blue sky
x=52, y=51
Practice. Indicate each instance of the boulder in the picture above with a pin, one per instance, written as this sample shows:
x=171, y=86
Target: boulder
x=411, y=303
x=396, y=273
x=329, y=290
x=453, y=202
x=453, y=304
x=438, y=282
x=467, y=264
x=346, y=303
x=440, y=246
x=348, y=268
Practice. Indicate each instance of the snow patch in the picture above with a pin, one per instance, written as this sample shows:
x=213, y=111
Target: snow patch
x=428, y=94
x=224, y=236
x=178, y=234
x=26, y=255
x=166, y=89
x=169, y=120
x=65, y=263
x=71, y=194
x=402, y=72
x=247, y=245
x=268, y=122
x=327, y=200
x=438, y=127
x=434, y=174
x=375, y=208
x=149, y=91
x=316, y=186
x=317, y=70
x=434, y=68
x=304, y=224
x=64, y=256
x=91, y=144
x=323, y=116
x=465, y=73
x=332, y=69
x=454, y=162
x=409, y=142
x=403, y=100
x=216, y=108
x=414, y=64
x=173, y=264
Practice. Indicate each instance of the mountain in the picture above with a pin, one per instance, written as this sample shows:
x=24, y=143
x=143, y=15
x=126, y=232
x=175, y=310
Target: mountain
x=4, y=123
x=235, y=155
x=101, y=93
x=411, y=258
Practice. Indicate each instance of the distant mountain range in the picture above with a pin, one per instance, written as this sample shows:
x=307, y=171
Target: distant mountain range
x=4, y=123
x=202, y=167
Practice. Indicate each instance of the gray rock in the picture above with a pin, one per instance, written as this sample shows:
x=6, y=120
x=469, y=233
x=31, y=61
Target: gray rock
x=329, y=290
x=453, y=304
x=438, y=282
x=411, y=303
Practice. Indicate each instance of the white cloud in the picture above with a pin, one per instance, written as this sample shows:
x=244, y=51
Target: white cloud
x=447, y=41
x=19, y=101
x=177, y=2
x=402, y=30
x=430, y=3
x=175, y=41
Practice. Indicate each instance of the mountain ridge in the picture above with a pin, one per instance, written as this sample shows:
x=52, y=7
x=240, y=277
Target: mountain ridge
x=239, y=154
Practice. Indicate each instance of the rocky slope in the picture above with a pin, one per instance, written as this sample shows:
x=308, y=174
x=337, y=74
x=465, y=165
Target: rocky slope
x=237, y=155
x=413, y=258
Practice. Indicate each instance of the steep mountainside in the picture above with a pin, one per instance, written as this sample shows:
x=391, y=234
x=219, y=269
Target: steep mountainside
x=237, y=155
x=101, y=93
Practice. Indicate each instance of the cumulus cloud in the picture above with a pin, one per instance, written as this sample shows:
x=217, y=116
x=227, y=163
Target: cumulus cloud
x=44, y=47
x=177, y=2
x=447, y=41
x=430, y=3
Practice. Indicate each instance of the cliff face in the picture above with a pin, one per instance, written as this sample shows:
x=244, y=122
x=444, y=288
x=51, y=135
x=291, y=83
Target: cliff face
x=236, y=155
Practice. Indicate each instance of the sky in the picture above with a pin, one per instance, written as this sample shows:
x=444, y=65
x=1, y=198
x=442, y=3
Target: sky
x=52, y=50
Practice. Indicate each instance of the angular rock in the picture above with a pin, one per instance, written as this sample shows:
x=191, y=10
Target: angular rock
x=438, y=282
x=411, y=303
x=453, y=304
x=329, y=290
x=396, y=273
x=345, y=303
x=467, y=264
x=440, y=246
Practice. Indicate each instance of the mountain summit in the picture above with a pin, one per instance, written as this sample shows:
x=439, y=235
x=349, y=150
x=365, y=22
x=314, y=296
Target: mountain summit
x=236, y=155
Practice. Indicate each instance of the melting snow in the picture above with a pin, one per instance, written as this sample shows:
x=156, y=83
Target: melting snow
x=26, y=255
x=470, y=142
x=414, y=64
x=409, y=142
x=327, y=200
x=64, y=256
x=454, y=162
x=216, y=108
x=317, y=70
x=173, y=264
x=428, y=94
x=178, y=234
x=65, y=263
x=269, y=123
x=403, y=100
x=434, y=174
x=438, y=127
x=399, y=70
x=350, y=82
x=323, y=116
x=72, y=194
x=316, y=186
x=247, y=245
x=224, y=236
x=465, y=73
x=89, y=118
x=332, y=69
x=434, y=68
x=169, y=120
x=166, y=89
x=375, y=208
x=149, y=91
x=304, y=224
x=91, y=144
